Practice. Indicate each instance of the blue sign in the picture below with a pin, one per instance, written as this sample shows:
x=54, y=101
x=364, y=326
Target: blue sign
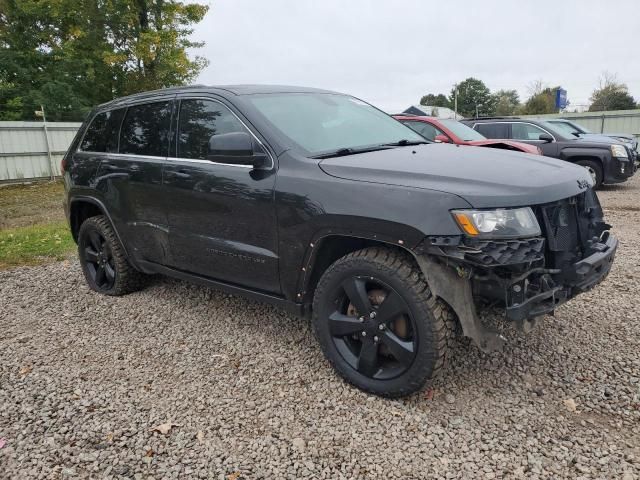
x=561, y=98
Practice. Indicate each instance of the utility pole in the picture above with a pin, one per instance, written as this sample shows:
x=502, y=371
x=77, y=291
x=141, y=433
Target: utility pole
x=46, y=139
x=455, y=101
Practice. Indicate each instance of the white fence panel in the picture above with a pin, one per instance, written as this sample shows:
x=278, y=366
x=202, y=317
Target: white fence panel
x=24, y=153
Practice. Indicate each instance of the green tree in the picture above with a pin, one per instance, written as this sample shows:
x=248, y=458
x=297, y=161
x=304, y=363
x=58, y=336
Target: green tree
x=432, y=100
x=541, y=100
x=507, y=102
x=611, y=95
x=473, y=98
x=70, y=55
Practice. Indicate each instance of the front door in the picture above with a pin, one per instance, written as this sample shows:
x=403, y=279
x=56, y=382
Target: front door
x=529, y=133
x=221, y=215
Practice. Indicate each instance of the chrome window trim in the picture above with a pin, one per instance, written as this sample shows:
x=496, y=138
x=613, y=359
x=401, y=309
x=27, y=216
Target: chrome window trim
x=124, y=155
x=526, y=123
x=210, y=162
x=211, y=99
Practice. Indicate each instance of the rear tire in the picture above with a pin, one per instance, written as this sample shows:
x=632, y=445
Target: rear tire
x=595, y=170
x=378, y=323
x=104, y=263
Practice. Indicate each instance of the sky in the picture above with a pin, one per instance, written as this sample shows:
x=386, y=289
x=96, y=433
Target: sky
x=390, y=53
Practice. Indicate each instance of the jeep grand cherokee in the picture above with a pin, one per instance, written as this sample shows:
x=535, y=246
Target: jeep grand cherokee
x=318, y=201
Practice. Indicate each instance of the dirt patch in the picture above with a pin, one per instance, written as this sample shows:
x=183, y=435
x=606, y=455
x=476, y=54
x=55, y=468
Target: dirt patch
x=31, y=204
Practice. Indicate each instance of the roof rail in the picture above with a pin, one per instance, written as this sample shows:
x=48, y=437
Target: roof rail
x=489, y=117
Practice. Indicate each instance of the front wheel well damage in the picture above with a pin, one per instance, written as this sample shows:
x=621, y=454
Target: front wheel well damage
x=331, y=248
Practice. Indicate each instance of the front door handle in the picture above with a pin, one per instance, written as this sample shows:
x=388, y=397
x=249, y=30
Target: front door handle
x=111, y=166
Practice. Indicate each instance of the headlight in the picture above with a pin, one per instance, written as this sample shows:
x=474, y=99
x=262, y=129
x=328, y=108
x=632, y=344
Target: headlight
x=619, y=151
x=500, y=223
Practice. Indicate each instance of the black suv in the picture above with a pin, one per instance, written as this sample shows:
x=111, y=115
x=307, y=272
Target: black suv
x=319, y=202
x=606, y=159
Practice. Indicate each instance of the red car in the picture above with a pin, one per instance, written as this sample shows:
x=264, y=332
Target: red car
x=447, y=130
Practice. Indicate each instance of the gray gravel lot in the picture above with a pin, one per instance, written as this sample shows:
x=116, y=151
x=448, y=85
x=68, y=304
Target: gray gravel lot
x=84, y=379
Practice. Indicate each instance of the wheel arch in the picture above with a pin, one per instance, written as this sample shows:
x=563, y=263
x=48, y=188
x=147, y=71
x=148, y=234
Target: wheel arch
x=575, y=155
x=83, y=207
x=326, y=249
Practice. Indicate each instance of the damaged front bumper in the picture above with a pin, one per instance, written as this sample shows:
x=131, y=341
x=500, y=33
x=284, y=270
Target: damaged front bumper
x=527, y=278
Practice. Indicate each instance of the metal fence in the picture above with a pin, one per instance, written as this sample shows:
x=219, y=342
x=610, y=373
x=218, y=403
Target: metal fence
x=615, y=121
x=32, y=150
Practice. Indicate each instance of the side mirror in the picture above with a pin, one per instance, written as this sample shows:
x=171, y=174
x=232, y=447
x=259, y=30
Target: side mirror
x=236, y=144
x=545, y=137
x=237, y=148
x=441, y=139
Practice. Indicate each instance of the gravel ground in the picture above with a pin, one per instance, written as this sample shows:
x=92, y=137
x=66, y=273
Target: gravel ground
x=84, y=379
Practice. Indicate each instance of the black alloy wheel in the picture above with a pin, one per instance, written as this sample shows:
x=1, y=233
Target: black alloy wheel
x=103, y=259
x=99, y=260
x=372, y=328
x=378, y=324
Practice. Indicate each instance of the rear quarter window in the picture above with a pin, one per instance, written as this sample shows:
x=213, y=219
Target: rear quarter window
x=145, y=130
x=493, y=130
x=102, y=133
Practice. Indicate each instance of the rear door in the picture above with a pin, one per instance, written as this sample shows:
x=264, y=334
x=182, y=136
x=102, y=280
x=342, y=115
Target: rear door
x=131, y=179
x=221, y=215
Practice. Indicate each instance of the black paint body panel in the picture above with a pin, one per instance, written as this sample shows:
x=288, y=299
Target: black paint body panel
x=260, y=229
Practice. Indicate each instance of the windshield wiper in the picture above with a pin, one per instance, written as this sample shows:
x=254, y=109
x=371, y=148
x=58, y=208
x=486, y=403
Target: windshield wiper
x=341, y=152
x=404, y=142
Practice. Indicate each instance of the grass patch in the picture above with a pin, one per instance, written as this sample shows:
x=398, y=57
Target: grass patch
x=31, y=204
x=35, y=244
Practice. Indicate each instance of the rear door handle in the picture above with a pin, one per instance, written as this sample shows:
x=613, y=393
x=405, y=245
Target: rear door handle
x=111, y=166
x=178, y=174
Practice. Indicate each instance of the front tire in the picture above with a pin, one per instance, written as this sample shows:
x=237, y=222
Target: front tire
x=104, y=263
x=595, y=170
x=378, y=324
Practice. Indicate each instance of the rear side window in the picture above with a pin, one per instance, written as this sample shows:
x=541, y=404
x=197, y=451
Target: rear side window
x=145, y=130
x=493, y=130
x=198, y=121
x=102, y=133
x=427, y=130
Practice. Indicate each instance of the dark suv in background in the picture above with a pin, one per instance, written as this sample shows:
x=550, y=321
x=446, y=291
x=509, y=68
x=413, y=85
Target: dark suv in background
x=319, y=202
x=607, y=160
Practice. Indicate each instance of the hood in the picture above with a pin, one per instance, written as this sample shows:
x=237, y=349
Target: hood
x=506, y=145
x=609, y=138
x=484, y=177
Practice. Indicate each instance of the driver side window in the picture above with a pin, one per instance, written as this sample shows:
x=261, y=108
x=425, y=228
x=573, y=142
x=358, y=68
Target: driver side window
x=198, y=121
x=526, y=131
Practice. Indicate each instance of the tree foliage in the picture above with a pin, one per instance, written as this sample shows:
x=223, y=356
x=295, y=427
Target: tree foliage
x=432, y=100
x=473, y=97
x=541, y=100
x=611, y=95
x=507, y=102
x=73, y=54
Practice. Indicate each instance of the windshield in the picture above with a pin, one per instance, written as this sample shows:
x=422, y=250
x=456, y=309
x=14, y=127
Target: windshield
x=461, y=130
x=322, y=122
x=566, y=128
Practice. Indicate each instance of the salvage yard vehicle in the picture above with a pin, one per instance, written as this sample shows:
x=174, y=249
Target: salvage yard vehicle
x=448, y=130
x=579, y=131
x=607, y=160
x=319, y=202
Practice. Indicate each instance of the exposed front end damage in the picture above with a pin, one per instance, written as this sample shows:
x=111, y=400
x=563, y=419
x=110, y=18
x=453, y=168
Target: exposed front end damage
x=526, y=277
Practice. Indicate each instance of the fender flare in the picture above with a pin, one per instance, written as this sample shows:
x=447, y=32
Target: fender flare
x=101, y=206
x=310, y=259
